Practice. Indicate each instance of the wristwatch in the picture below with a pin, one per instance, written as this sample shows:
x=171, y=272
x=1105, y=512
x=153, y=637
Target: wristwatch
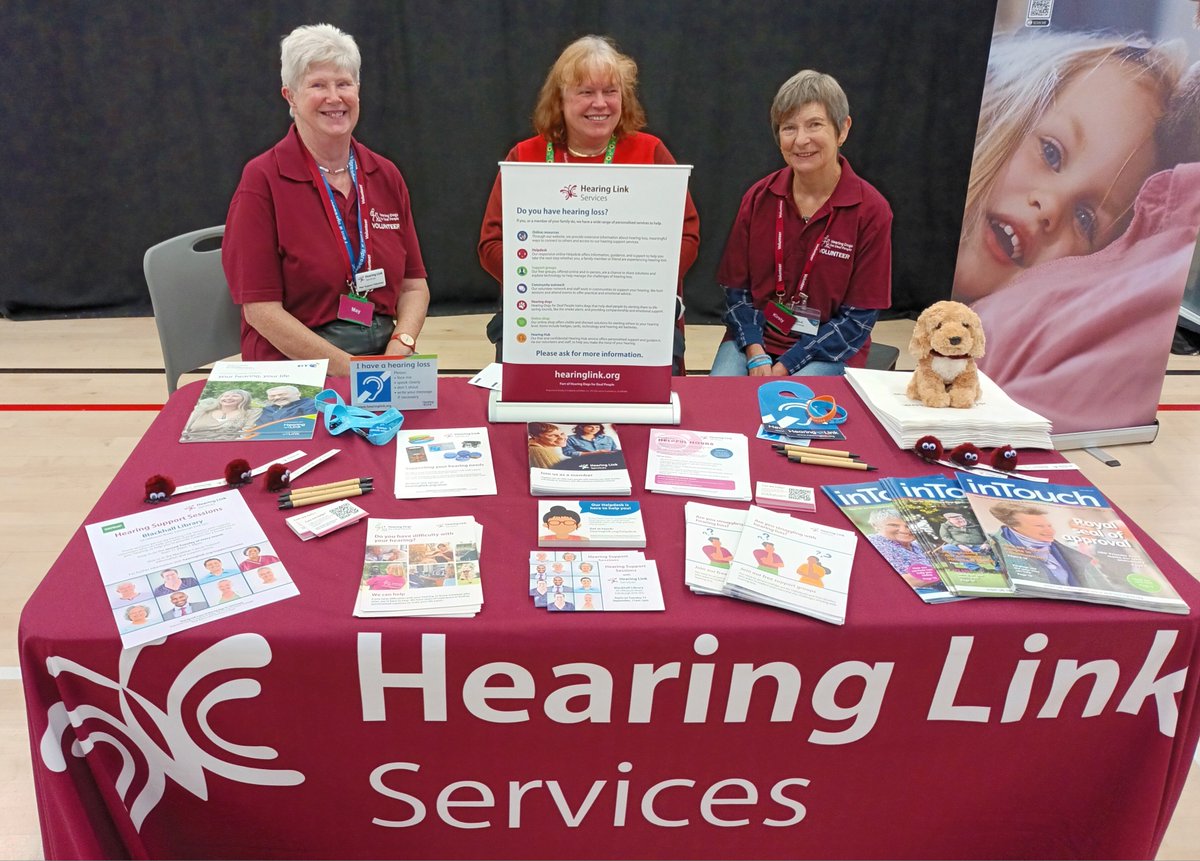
x=405, y=339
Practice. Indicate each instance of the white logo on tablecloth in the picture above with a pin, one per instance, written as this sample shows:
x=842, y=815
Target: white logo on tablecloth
x=183, y=760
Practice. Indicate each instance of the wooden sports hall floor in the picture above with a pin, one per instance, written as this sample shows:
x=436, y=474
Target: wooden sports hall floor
x=60, y=461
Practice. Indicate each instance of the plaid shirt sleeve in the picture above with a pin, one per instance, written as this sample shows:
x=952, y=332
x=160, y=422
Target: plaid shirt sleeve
x=745, y=322
x=836, y=340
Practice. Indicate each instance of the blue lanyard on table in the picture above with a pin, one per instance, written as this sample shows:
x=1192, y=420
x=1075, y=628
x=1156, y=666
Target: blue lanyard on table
x=355, y=267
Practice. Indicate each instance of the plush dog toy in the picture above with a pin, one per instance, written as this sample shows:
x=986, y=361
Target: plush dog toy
x=946, y=341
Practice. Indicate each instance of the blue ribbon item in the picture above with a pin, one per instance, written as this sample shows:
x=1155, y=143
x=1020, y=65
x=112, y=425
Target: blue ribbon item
x=340, y=417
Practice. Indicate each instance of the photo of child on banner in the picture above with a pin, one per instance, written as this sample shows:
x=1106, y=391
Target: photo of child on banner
x=1082, y=211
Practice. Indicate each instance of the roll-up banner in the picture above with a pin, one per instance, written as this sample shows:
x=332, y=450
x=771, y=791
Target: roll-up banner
x=1083, y=205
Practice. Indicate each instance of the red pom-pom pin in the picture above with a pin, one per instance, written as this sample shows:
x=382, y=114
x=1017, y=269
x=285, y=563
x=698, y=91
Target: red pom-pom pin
x=967, y=454
x=929, y=448
x=278, y=477
x=159, y=488
x=1004, y=458
x=237, y=472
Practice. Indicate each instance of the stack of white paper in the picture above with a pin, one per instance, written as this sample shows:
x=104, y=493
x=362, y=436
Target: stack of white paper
x=593, y=581
x=994, y=421
x=698, y=463
x=421, y=567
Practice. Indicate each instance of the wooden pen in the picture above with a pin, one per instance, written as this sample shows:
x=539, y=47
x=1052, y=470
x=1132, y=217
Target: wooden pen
x=837, y=462
x=313, y=499
x=805, y=449
x=326, y=488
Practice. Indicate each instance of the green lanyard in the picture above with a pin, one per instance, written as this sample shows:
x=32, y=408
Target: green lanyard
x=608, y=151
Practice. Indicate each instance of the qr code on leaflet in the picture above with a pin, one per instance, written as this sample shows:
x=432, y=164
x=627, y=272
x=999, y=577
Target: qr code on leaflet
x=797, y=493
x=346, y=509
x=1039, y=12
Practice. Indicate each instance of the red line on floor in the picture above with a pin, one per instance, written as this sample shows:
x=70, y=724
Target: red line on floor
x=51, y=408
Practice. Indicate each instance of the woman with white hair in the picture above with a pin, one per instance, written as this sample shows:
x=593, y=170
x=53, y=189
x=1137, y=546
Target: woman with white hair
x=320, y=248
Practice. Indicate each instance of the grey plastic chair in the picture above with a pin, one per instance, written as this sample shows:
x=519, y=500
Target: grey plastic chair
x=882, y=357
x=198, y=322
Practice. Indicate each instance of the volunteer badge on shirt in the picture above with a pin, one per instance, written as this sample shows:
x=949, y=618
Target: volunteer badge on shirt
x=354, y=308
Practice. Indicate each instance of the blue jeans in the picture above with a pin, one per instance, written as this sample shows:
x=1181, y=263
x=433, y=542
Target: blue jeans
x=731, y=362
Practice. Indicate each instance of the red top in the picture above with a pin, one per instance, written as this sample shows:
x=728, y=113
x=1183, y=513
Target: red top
x=637, y=148
x=279, y=246
x=854, y=268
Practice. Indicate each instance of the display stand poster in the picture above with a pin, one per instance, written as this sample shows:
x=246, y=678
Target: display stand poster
x=591, y=268
x=1083, y=205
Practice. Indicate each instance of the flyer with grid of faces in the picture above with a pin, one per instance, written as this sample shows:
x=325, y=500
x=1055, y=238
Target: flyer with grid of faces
x=593, y=581
x=178, y=566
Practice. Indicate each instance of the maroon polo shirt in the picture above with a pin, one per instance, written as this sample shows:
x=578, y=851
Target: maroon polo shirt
x=279, y=245
x=854, y=267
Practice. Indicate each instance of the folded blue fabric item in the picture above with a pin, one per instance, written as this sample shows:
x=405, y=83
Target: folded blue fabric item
x=340, y=417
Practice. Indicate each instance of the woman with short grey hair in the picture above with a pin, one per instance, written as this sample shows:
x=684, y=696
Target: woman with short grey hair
x=320, y=249
x=808, y=264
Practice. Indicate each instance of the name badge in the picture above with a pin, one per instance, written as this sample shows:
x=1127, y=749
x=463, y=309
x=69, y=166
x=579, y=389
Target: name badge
x=779, y=318
x=806, y=321
x=372, y=279
x=356, y=309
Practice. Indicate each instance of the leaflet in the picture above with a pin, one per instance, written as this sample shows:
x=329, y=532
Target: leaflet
x=698, y=463
x=594, y=581
x=711, y=535
x=444, y=462
x=576, y=459
x=257, y=401
x=590, y=523
x=421, y=567
x=790, y=563
x=182, y=565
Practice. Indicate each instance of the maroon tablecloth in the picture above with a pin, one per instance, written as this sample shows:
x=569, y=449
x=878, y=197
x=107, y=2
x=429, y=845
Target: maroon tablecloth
x=718, y=729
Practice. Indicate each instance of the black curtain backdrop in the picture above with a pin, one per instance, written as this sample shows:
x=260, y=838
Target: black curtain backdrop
x=126, y=123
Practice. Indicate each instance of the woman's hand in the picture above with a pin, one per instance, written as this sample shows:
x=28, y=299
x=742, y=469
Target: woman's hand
x=779, y=370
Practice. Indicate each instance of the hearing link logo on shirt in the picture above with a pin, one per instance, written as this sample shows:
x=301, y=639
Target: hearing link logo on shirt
x=834, y=248
x=384, y=220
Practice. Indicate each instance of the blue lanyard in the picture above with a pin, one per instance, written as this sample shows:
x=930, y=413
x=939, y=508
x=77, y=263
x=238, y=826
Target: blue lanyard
x=337, y=213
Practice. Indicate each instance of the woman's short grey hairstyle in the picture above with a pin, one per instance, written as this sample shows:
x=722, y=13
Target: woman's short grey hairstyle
x=313, y=44
x=881, y=515
x=805, y=87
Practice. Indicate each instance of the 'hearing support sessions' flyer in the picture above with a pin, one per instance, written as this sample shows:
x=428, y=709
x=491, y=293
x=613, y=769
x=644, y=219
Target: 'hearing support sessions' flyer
x=177, y=566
